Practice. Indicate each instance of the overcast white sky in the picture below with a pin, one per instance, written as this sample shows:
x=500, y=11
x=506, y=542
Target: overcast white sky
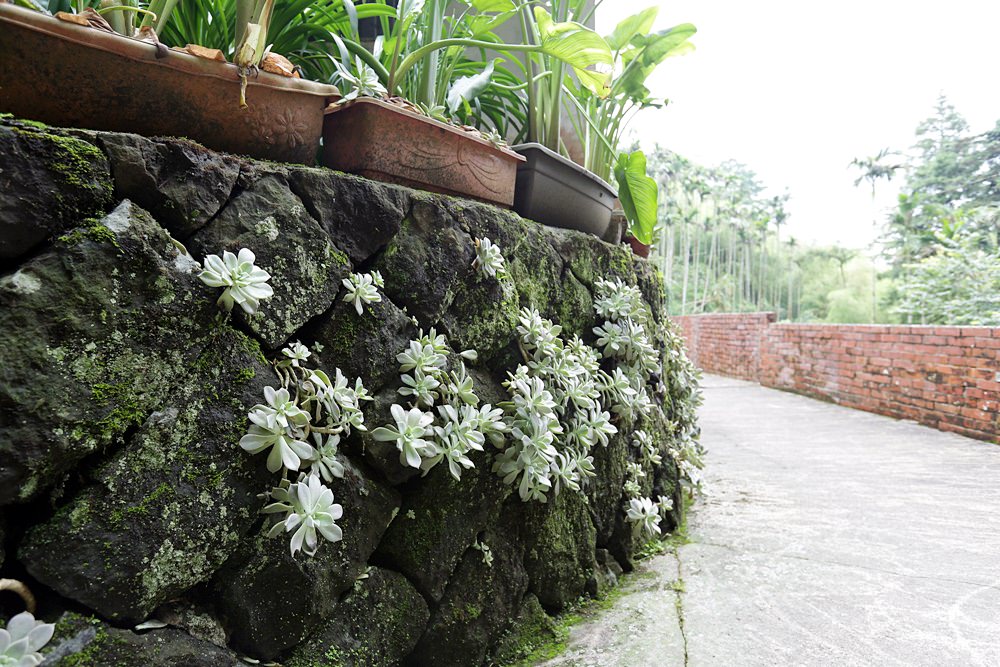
x=797, y=89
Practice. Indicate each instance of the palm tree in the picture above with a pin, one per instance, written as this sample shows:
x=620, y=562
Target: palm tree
x=874, y=169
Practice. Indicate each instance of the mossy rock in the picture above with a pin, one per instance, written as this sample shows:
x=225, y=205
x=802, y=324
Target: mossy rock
x=361, y=216
x=165, y=512
x=85, y=641
x=480, y=603
x=94, y=335
x=183, y=184
x=363, y=346
x=604, y=492
x=439, y=520
x=483, y=316
x=271, y=600
x=427, y=262
x=560, y=540
x=591, y=259
x=306, y=268
x=376, y=625
x=650, y=282
x=49, y=183
x=530, y=628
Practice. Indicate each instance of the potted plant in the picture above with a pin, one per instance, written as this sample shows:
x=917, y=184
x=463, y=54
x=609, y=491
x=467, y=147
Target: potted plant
x=77, y=71
x=552, y=189
x=401, y=118
x=600, y=121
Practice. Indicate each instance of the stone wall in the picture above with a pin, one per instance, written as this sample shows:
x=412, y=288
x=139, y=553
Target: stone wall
x=123, y=393
x=944, y=377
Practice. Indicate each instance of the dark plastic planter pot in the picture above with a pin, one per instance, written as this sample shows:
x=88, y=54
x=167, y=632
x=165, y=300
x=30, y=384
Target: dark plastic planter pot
x=385, y=142
x=70, y=75
x=558, y=192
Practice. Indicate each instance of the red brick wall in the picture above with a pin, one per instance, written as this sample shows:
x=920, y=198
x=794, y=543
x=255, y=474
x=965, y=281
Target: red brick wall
x=945, y=377
x=726, y=344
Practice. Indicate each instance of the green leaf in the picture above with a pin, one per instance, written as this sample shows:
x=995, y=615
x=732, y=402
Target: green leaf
x=352, y=15
x=492, y=5
x=481, y=26
x=638, y=194
x=670, y=42
x=468, y=88
x=633, y=26
x=408, y=9
x=579, y=47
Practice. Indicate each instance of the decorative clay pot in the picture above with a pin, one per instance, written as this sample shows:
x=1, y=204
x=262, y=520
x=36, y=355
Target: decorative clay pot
x=386, y=142
x=70, y=75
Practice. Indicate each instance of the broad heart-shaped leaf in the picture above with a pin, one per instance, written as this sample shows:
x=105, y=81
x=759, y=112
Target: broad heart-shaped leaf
x=579, y=47
x=659, y=46
x=635, y=25
x=468, y=88
x=638, y=194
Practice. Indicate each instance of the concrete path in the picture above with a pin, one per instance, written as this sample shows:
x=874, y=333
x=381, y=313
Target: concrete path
x=829, y=537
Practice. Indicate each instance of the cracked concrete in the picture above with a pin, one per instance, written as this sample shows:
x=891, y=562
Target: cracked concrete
x=828, y=537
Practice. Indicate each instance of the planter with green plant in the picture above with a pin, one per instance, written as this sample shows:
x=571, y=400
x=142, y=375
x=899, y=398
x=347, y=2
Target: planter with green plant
x=551, y=189
x=106, y=69
x=429, y=103
x=599, y=121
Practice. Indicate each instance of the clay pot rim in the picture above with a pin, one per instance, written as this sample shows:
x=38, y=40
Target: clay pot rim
x=334, y=108
x=144, y=52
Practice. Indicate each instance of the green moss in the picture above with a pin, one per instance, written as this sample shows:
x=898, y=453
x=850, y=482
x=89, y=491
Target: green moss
x=95, y=652
x=95, y=231
x=244, y=375
x=538, y=637
x=74, y=161
x=121, y=517
x=127, y=410
x=337, y=256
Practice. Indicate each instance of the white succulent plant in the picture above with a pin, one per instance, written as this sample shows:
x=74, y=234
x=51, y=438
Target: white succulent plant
x=410, y=434
x=295, y=355
x=326, y=462
x=489, y=259
x=22, y=640
x=286, y=450
x=362, y=290
x=309, y=511
x=645, y=515
x=244, y=283
x=363, y=84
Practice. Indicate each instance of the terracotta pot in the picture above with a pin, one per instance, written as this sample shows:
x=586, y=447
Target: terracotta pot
x=385, y=142
x=70, y=75
x=640, y=249
x=558, y=192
